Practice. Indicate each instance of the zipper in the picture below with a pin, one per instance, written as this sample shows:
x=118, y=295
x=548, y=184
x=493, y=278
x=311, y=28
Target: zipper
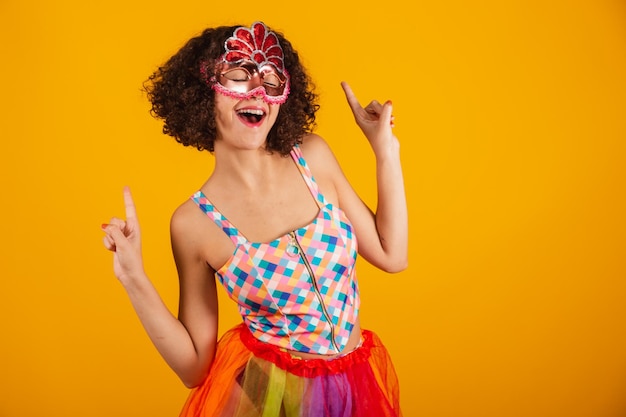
x=320, y=298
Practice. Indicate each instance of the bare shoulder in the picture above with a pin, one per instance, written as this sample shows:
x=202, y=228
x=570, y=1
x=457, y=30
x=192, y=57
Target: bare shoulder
x=196, y=238
x=188, y=228
x=185, y=218
x=314, y=144
x=318, y=153
x=324, y=166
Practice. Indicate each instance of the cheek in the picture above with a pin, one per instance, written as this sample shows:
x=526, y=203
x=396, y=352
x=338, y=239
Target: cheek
x=222, y=116
x=275, y=109
x=219, y=119
x=223, y=104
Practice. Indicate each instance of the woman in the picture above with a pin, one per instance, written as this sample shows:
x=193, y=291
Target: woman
x=277, y=223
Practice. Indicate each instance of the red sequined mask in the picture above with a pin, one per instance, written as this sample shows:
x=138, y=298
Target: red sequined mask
x=252, y=66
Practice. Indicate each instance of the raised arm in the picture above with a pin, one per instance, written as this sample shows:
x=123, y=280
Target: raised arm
x=383, y=235
x=188, y=344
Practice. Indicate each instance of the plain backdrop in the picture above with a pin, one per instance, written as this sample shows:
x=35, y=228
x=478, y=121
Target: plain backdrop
x=511, y=121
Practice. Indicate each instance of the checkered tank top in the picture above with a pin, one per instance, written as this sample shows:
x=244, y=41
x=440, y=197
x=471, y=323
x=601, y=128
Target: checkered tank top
x=299, y=291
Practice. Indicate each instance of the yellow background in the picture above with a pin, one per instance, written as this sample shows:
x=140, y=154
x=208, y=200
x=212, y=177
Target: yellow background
x=511, y=118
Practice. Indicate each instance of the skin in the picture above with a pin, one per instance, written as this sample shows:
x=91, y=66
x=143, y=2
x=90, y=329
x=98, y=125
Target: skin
x=271, y=199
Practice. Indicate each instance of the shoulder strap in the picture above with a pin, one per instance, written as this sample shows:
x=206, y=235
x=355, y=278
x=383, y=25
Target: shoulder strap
x=296, y=154
x=209, y=209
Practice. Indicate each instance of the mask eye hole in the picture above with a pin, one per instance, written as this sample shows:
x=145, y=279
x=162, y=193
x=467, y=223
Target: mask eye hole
x=237, y=74
x=271, y=80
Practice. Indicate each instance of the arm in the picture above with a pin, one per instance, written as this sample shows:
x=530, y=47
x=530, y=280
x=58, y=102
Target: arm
x=186, y=343
x=383, y=236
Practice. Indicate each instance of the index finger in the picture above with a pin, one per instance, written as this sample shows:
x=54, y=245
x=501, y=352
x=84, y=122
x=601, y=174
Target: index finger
x=352, y=100
x=129, y=205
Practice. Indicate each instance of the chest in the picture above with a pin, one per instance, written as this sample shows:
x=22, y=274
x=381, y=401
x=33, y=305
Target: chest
x=312, y=264
x=265, y=214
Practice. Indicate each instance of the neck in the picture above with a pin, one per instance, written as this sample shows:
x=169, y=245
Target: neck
x=248, y=169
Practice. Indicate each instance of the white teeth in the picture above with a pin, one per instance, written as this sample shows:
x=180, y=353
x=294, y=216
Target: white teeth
x=251, y=111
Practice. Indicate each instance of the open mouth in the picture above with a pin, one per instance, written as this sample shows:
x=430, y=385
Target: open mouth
x=251, y=117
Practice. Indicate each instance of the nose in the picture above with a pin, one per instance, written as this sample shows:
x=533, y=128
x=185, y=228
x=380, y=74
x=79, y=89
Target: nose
x=257, y=93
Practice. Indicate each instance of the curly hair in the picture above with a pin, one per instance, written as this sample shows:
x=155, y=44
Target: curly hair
x=181, y=97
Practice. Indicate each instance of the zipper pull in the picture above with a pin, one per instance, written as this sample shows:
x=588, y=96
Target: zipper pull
x=292, y=245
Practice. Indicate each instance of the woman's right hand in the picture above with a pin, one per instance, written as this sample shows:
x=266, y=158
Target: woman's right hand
x=123, y=238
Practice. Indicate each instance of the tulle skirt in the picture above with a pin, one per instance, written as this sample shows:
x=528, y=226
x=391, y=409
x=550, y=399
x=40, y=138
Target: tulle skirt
x=249, y=378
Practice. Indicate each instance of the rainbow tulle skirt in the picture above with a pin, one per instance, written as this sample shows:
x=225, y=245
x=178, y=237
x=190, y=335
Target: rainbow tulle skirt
x=249, y=378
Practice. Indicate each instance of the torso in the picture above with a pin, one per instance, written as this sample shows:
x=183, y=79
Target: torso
x=276, y=206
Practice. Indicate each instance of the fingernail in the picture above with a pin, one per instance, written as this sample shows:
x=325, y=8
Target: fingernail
x=104, y=225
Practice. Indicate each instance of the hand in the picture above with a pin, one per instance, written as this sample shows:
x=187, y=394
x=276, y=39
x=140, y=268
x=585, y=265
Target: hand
x=123, y=239
x=375, y=120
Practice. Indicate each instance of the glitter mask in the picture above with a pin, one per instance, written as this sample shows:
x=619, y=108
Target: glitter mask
x=252, y=66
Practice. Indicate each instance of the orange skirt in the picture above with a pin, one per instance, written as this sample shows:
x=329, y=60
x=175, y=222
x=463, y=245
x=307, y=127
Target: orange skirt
x=254, y=379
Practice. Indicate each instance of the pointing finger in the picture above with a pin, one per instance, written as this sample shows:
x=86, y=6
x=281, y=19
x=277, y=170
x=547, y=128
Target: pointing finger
x=352, y=100
x=129, y=205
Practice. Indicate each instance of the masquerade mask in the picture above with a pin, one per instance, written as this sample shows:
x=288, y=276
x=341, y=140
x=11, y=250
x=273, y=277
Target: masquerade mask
x=252, y=66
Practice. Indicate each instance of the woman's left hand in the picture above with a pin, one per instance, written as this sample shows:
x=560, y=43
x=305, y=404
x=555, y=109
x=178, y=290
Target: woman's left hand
x=375, y=120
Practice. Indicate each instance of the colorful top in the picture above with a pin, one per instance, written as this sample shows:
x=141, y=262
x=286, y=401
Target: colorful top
x=299, y=291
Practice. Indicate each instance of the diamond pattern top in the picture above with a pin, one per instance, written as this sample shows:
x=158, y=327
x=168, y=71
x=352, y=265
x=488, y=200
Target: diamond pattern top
x=298, y=291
